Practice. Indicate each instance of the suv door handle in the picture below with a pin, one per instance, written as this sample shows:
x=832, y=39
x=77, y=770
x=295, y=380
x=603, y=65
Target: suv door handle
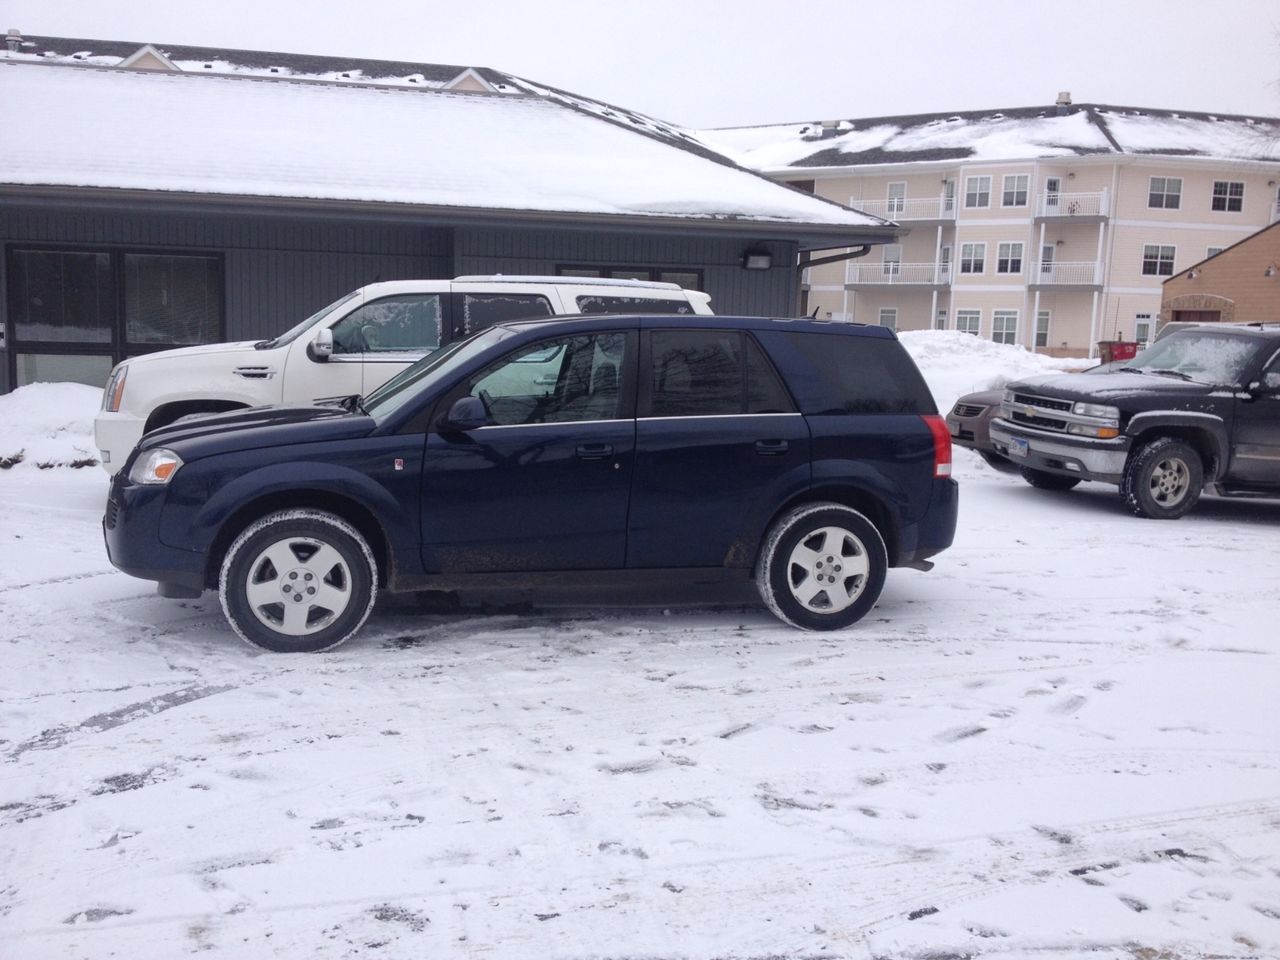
x=595, y=451
x=771, y=448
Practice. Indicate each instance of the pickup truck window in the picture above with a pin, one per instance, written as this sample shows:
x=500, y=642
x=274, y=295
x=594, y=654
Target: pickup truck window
x=410, y=322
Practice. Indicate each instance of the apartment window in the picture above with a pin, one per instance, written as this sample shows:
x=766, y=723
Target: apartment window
x=973, y=258
x=889, y=317
x=1004, y=326
x=1046, y=260
x=969, y=321
x=944, y=264
x=977, y=192
x=1212, y=251
x=1228, y=195
x=892, y=265
x=940, y=320
x=897, y=198
x=1157, y=260
x=1142, y=329
x=1165, y=193
x=1015, y=190
x=1009, y=258
x=1042, y=328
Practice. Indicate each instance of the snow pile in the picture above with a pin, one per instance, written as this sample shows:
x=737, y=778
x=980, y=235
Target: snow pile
x=49, y=425
x=955, y=363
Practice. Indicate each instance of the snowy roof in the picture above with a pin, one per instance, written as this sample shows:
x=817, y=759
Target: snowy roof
x=1013, y=134
x=524, y=149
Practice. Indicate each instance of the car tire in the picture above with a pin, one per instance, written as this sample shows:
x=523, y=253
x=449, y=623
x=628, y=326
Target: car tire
x=298, y=581
x=1162, y=479
x=822, y=567
x=1042, y=480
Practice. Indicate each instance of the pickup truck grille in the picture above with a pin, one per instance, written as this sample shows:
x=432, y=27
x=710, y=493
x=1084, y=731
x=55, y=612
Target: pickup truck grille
x=1043, y=413
x=1045, y=403
x=1043, y=423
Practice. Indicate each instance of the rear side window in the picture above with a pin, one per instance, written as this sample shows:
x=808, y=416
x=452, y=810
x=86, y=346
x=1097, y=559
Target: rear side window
x=834, y=373
x=483, y=310
x=591, y=303
x=707, y=373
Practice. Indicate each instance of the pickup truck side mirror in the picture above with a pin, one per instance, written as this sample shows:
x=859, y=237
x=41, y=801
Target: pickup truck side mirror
x=467, y=413
x=321, y=346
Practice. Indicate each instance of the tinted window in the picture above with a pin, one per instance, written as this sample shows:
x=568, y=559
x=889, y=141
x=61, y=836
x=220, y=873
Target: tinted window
x=393, y=324
x=62, y=296
x=482, y=310
x=835, y=373
x=563, y=380
x=172, y=300
x=601, y=304
x=711, y=373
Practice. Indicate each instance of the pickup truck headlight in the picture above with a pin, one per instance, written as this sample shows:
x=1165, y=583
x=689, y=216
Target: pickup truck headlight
x=1096, y=410
x=155, y=467
x=114, y=393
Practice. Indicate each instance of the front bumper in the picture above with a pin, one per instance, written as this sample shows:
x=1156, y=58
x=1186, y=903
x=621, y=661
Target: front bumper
x=131, y=530
x=116, y=434
x=1070, y=456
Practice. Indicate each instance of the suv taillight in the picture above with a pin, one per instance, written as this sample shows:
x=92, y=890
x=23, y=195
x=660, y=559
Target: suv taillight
x=941, y=444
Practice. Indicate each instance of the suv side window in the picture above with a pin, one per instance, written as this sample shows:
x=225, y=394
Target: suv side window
x=482, y=310
x=565, y=380
x=836, y=373
x=393, y=324
x=594, y=303
x=701, y=373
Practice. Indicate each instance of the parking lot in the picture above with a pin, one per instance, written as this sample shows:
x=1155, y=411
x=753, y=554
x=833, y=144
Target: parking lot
x=1062, y=740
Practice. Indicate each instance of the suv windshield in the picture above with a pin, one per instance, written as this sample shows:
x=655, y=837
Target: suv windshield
x=1206, y=357
x=294, y=332
x=430, y=370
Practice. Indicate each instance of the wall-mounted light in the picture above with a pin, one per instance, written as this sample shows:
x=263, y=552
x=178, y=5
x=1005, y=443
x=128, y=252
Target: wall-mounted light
x=1060, y=243
x=1070, y=175
x=1270, y=271
x=1192, y=274
x=757, y=258
x=1271, y=183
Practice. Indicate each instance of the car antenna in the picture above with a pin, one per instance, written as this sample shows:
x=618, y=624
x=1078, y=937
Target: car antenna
x=814, y=315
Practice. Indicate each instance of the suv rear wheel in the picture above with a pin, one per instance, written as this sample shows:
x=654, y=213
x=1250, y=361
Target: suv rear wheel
x=1162, y=479
x=822, y=567
x=298, y=581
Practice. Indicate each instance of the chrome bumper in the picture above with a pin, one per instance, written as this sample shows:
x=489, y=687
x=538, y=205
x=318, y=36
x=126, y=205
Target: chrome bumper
x=1082, y=457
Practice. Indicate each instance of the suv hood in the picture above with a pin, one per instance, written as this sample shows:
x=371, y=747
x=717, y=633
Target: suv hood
x=257, y=427
x=207, y=350
x=1111, y=386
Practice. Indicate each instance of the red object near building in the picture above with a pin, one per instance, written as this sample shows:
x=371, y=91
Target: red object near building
x=1109, y=350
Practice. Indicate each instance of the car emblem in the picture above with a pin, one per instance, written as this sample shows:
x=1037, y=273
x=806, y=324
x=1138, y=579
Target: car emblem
x=399, y=463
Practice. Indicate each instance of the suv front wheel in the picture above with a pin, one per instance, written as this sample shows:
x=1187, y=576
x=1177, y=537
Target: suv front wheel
x=1162, y=479
x=298, y=581
x=822, y=567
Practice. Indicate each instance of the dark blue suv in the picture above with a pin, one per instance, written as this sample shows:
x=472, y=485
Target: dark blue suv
x=806, y=455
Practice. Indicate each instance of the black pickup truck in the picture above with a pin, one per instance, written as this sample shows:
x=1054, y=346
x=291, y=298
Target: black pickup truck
x=1199, y=409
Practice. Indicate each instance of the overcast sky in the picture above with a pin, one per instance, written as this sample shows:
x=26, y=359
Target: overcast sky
x=744, y=62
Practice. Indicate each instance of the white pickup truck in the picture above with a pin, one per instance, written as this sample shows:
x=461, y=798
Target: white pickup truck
x=350, y=347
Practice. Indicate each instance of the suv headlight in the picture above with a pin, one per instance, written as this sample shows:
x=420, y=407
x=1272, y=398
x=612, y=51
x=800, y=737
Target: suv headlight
x=114, y=393
x=1096, y=410
x=155, y=466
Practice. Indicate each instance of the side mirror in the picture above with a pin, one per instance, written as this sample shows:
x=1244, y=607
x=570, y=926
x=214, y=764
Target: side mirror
x=321, y=346
x=467, y=413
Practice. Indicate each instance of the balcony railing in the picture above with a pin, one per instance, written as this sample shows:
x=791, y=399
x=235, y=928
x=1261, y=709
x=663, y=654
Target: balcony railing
x=1083, y=272
x=1073, y=204
x=898, y=274
x=909, y=208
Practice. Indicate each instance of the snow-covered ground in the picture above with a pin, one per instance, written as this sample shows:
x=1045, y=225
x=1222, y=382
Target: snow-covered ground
x=1062, y=742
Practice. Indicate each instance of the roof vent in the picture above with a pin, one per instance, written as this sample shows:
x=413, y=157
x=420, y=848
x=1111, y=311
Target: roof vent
x=13, y=40
x=1063, y=101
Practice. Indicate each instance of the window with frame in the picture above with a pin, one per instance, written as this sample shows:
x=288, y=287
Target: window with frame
x=940, y=320
x=889, y=317
x=892, y=264
x=77, y=312
x=1015, y=190
x=703, y=373
x=1009, y=258
x=973, y=258
x=1004, y=326
x=1164, y=193
x=1157, y=260
x=897, y=193
x=944, y=264
x=1228, y=196
x=969, y=321
x=1142, y=329
x=977, y=191
x=1042, y=328
x=1212, y=251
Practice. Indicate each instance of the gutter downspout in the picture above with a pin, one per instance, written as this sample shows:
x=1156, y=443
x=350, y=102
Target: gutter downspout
x=854, y=254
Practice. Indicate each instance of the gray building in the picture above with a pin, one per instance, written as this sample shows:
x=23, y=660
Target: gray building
x=152, y=197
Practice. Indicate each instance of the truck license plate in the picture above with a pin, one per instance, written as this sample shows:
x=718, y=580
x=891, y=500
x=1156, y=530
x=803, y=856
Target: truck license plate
x=1018, y=448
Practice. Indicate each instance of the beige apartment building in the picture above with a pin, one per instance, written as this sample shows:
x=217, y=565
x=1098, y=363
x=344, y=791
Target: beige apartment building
x=1053, y=228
